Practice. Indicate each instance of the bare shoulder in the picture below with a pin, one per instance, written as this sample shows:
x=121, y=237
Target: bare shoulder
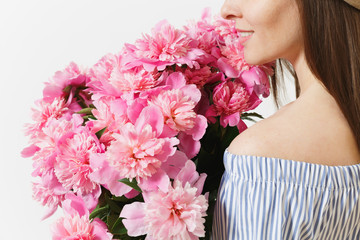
x=301, y=132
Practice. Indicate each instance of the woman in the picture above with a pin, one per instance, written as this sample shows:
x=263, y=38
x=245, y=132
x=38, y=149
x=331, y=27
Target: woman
x=296, y=174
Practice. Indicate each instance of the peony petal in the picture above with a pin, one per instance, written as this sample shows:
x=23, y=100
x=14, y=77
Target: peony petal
x=49, y=212
x=50, y=92
x=135, y=227
x=256, y=80
x=192, y=91
x=107, y=176
x=135, y=210
x=29, y=151
x=174, y=164
x=118, y=107
x=206, y=14
x=211, y=113
x=249, y=78
x=199, y=128
x=168, y=132
x=188, y=173
x=229, y=71
x=200, y=183
x=231, y=120
x=159, y=180
x=135, y=109
x=216, y=52
x=91, y=199
x=150, y=115
x=100, y=230
x=176, y=80
x=188, y=145
x=133, y=193
x=74, y=205
x=148, y=237
x=241, y=126
x=134, y=222
x=254, y=101
x=168, y=149
x=158, y=26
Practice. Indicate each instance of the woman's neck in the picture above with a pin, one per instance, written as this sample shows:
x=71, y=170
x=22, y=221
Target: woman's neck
x=305, y=76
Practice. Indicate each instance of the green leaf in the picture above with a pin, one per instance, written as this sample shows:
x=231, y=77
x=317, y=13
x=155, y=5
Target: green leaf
x=86, y=111
x=99, y=212
x=118, y=227
x=249, y=119
x=87, y=117
x=132, y=184
x=111, y=220
x=120, y=231
x=251, y=114
x=100, y=132
x=113, y=204
x=120, y=199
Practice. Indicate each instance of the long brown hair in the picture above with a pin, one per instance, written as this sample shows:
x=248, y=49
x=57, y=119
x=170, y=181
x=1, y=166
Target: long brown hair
x=331, y=30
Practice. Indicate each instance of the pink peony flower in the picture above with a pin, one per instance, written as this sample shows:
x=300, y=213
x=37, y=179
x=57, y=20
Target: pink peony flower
x=177, y=109
x=225, y=28
x=74, y=227
x=48, y=139
x=230, y=100
x=199, y=77
x=138, y=151
x=100, y=74
x=46, y=110
x=72, y=166
x=49, y=192
x=72, y=75
x=177, y=106
x=175, y=214
x=136, y=79
x=76, y=224
x=166, y=46
x=178, y=214
x=129, y=155
x=203, y=32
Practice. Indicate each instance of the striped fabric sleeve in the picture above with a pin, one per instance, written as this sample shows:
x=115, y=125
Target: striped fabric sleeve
x=272, y=198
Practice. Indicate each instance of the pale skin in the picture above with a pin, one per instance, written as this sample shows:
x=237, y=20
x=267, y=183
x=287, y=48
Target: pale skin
x=310, y=129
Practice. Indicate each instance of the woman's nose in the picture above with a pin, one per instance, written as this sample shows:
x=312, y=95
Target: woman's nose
x=230, y=9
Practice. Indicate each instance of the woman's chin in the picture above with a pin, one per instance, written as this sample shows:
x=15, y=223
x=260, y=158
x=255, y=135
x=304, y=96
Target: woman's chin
x=255, y=58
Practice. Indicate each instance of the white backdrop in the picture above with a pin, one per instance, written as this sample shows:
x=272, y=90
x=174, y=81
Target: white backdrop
x=40, y=37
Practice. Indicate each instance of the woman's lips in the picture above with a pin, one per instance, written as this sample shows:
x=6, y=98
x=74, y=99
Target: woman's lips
x=245, y=35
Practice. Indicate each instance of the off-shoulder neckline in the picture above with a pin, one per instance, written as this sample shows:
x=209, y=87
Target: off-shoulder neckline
x=292, y=161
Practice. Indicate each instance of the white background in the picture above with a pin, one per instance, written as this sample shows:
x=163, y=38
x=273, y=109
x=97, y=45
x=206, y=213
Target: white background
x=40, y=37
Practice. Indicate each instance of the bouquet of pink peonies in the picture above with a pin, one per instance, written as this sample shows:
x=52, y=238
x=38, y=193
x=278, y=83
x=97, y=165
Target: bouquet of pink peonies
x=132, y=147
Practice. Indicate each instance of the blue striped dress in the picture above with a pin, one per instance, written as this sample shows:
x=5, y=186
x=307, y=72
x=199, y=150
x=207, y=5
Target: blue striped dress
x=272, y=198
